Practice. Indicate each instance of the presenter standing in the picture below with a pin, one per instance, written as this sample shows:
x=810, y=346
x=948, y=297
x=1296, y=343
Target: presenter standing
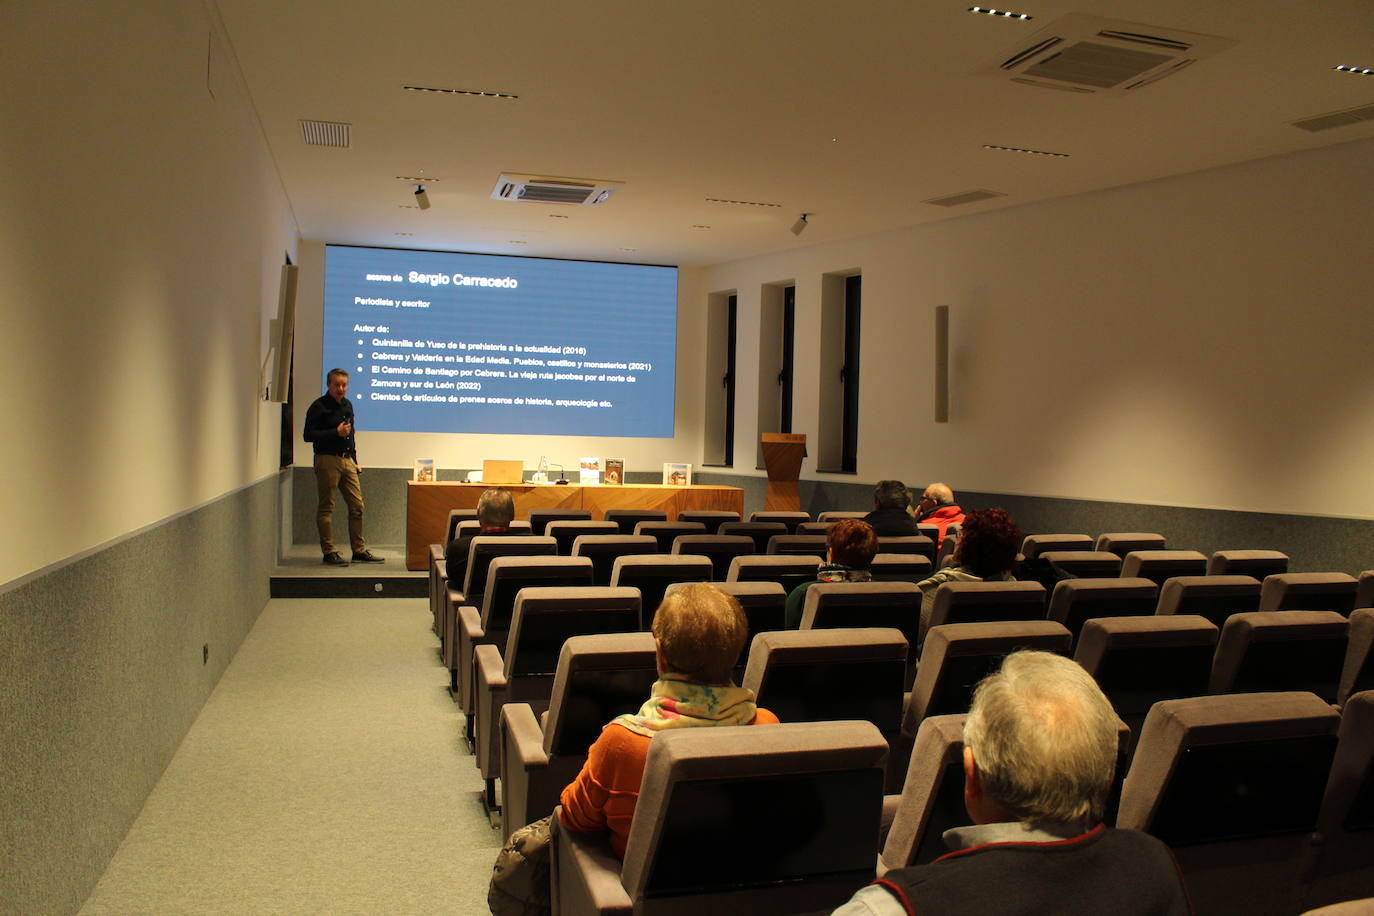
x=329, y=427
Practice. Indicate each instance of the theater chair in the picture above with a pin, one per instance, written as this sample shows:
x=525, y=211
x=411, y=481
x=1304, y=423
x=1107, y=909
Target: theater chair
x=1123, y=542
x=1281, y=650
x=866, y=604
x=566, y=533
x=1257, y=563
x=604, y=549
x=454, y=517
x=1076, y=601
x=1036, y=544
x=461, y=522
x=628, y=518
x=665, y=532
x=790, y=519
x=1213, y=597
x=900, y=567
x=597, y=679
x=1357, y=674
x=1345, y=865
x=1082, y=564
x=1364, y=592
x=944, y=555
x=916, y=543
x=764, y=606
x=711, y=518
x=1233, y=785
x=982, y=602
x=833, y=675
x=1159, y=565
x=759, y=532
x=522, y=670
x=800, y=545
x=1316, y=591
x=652, y=575
x=709, y=796
x=835, y=516
x=720, y=549
x=540, y=518
x=787, y=571
x=821, y=528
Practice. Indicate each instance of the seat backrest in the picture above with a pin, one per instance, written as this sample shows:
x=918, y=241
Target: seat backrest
x=835, y=515
x=790, y=519
x=915, y=543
x=900, y=567
x=1139, y=661
x=1281, y=650
x=925, y=529
x=787, y=571
x=628, y=518
x=932, y=798
x=815, y=787
x=540, y=518
x=1213, y=597
x=720, y=548
x=652, y=574
x=864, y=604
x=957, y=656
x=507, y=575
x=812, y=545
x=711, y=518
x=1158, y=565
x=944, y=556
x=665, y=532
x=1074, y=601
x=482, y=550
x=1364, y=592
x=1357, y=673
x=1257, y=563
x=605, y=549
x=468, y=526
x=1123, y=542
x=981, y=602
x=598, y=678
x=1083, y=564
x=1346, y=822
x=1036, y=544
x=454, y=517
x=820, y=528
x=545, y=618
x=1313, y=591
x=827, y=675
x=760, y=532
x=566, y=532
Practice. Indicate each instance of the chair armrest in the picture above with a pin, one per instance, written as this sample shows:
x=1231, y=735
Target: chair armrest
x=523, y=737
x=470, y=623
x=491, y=689
x=491, y=668
x=890, y=805
x=585, y=873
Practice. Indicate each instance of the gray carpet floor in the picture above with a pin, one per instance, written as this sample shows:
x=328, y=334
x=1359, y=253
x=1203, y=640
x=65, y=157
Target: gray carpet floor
x=326, y=774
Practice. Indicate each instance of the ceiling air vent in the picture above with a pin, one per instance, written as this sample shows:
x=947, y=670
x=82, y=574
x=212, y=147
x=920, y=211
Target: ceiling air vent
x=966, y=197
x=1337, y=119
x=1091, y=55
x=541, y=189
x=326, y=133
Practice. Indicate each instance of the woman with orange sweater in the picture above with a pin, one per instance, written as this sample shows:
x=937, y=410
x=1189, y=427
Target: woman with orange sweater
x=699, y=632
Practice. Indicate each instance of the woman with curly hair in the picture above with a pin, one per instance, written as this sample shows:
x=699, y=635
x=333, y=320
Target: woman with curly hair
x=986, y=552
x=850, y=545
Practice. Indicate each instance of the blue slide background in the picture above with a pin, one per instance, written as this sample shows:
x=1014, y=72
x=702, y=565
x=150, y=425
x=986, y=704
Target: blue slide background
x=625, y=313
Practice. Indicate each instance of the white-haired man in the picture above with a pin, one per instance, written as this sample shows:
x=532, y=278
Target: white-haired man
x=1040, y=748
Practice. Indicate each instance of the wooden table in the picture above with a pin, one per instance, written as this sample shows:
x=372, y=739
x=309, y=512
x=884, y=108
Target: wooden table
x=428, y=504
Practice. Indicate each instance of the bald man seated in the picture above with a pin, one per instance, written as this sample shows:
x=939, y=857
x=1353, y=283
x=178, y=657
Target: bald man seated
x=937, y=507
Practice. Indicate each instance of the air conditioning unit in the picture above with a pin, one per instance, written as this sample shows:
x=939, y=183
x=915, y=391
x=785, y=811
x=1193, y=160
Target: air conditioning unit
x=1091, y=55
x=541, y=189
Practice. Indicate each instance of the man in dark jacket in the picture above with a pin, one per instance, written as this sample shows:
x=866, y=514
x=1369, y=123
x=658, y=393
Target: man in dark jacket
x=890, y=518
x=329, y=428
x=495, y=510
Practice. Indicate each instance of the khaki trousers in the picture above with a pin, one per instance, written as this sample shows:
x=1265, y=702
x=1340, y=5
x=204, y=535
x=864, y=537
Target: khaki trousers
x=333, y=472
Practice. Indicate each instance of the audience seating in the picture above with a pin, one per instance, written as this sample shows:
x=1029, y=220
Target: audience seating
x=944, y=555
x=652, y=574
x=790, y=519
x=1357, y=673
x=468, y=526
x=566, y=532
x=522, y=670
x=540, y=518
x=1364, y=592
x=821, y=528
x=720, y=549
x=1233, y=785
x=1313, y=591
x=916, y=543
x=760, y=532
x=1036, y=544
x=628, y=518
x=1257, y=563
x=866, y=604
x=1281, y=650
x=787, y=571
x=829, y=675
x=604, y=549
x=1345, y=867
x=1082, y=564
x=665, y=532
x=1075, y=601
x=1159, y=565
x=809, y=545
x=1139, y=661
x=900, y=567
x=597, y=679
x=983, y=602
x=711, y=518
x=835, y=516
x=811, y=793
x=1213, y=597
x=454, y=517
x=1123, y=542
x=925, y=529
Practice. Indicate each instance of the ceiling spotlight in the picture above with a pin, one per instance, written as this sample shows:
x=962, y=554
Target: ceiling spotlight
x=800, y=224
x=421, y=198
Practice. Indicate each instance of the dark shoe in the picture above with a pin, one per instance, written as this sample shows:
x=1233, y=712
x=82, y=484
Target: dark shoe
x=333, y=559
x=367, y=556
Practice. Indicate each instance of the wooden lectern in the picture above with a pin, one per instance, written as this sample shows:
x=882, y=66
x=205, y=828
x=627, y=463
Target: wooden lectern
x=782, y=456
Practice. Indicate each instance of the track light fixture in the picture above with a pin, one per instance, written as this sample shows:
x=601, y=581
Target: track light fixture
x=421, y=198
x=801, y=224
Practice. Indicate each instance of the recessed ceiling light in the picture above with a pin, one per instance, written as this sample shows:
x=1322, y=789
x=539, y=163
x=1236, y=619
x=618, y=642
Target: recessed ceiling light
x=1344, y=68
x=1004, y=13
x=482, y=93
x=1018, y=149
x=558, y=216
x=700, y=226
x=742, y=203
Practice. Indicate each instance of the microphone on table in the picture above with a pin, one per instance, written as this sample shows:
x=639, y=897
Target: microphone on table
x=562, y=477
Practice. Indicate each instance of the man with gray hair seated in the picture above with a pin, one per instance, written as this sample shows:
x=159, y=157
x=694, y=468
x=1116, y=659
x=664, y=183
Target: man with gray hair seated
x=891, y=515
x=1040, y=746
x=937, y=507
x=495, y=510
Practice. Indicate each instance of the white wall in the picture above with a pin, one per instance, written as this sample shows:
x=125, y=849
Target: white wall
x=1201, y=340
x=465, y=450
x=142, y=226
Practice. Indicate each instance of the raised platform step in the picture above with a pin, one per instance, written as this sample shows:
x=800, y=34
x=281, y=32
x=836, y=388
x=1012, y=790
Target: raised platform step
x=302, y=575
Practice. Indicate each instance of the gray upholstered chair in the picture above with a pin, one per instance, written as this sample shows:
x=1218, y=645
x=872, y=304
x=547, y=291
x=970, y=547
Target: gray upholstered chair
x=628, y=518
x=915, y=543
x=540, y=518
x=1357, y=673
x=1083, y=564
x=1213, y=597
x=604, y=549
x=711, y=518
x=665, y=532
x=866, y=604
x=1257, y=563
x=652, y=574
x=808, y=545
x=821, y=528
x=720, y=549
x=981, y=602
x=836, y=515
x=790, y=519
x=1364, y=592
x=1036, y=544
x=1159, y=565
x=900, y=567
x=1312, y=591
x=1281, y=650
x=789, y=571
x=1345, y=867
x=567, y=531
x=760, y=532
x=1123, y=542
x=1075, y=601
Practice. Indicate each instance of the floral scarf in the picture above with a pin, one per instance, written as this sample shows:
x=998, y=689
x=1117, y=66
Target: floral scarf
x=677, y=703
